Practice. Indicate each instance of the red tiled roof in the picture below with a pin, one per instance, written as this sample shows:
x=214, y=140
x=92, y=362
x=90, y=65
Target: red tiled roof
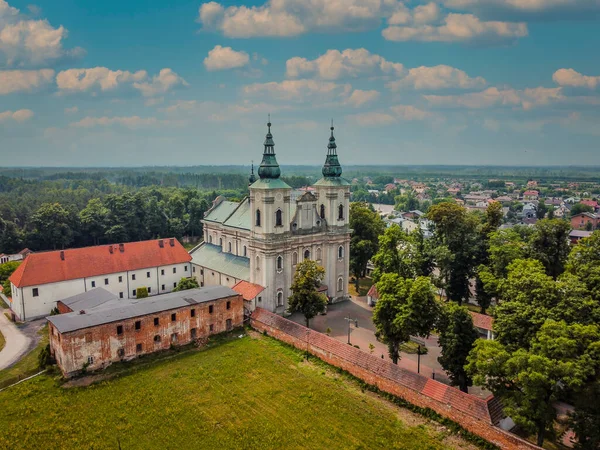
x=592, y=203
x=479, y=408
x=373, y=292
x=72, y=264
x=482, y=321
x=530, y=193
x=248, y=290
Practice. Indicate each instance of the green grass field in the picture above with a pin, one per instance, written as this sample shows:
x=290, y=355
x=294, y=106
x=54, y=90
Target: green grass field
x=247, y=393
x=2, y=341
x=27, y=365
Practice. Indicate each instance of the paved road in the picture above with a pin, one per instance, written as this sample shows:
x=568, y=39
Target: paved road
x=17, y=343
x=364, y=335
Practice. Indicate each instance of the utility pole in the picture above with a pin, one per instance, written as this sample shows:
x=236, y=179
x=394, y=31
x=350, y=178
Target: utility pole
x=349, y=320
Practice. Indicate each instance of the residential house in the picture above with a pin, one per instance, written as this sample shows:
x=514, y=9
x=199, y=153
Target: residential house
x=576, y=235
x=4, y=258
x=530, y=195
x=484, y=325
x=584, y=221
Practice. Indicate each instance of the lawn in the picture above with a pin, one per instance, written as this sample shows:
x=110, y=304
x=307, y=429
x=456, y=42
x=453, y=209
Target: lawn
x=27, y=365
x=251, y=392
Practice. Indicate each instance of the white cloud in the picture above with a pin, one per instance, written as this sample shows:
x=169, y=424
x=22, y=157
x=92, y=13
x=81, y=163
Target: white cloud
x=18, y=116
x=25, y=42
x=24, y=80
x=409, y=112
x=570, y=77
x=222, y=58
x=421, y=14
x=437, y=77
x=531, y=6
x=494, y=97
x=71, y=110
x=373, y=118
x=359, y=97
x=458, y=28
x=132, y=122
x=104, y=79
x=161, y=83
x=294, y=17
x=348, y=63
x=299, y=90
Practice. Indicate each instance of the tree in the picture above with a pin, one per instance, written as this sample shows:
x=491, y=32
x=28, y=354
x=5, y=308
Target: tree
x=584, y=262
x=185, y=284
x=457, y=336
x=51, y=226
x=366, y=227
x=456, y=231
x=550, y=244
x=141, y=292
x=305, y=297
x=11, y=237
x=405, y=308
x=505, y=246
x=7, y=269
x=529, y=380
x=585, y=420
x=541, y=210
x=94, y=219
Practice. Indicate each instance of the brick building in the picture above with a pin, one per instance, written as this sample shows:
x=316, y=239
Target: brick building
x=581, y=221
x=113, y=329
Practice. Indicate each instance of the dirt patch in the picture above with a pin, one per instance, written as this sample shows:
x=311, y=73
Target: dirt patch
x=86, y=381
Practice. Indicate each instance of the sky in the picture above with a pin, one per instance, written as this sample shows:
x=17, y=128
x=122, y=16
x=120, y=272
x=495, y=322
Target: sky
x=142, y=83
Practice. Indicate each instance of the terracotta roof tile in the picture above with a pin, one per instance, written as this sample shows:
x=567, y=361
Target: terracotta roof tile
x=72, y=264
x=248, y=290
x=482, y=321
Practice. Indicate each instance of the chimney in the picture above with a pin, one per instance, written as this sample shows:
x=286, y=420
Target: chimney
x=82, y=311
x=62, y=255
x=172, y=242
x=121, y=248
x=110, y=249
x=161, y=243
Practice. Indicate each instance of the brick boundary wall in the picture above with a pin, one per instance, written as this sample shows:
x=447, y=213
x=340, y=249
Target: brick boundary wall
x=472, y=413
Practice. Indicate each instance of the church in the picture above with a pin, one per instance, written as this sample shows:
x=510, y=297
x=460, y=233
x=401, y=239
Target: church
x=255, y=245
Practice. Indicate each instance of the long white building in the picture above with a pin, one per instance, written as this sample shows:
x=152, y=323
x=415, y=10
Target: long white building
x=45, y=278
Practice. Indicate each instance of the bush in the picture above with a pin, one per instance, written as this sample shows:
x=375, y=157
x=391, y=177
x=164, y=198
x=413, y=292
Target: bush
x=45, y=358
x=141, y=292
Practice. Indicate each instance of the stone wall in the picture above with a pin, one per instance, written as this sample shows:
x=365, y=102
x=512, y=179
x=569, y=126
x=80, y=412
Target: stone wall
x=473, y=413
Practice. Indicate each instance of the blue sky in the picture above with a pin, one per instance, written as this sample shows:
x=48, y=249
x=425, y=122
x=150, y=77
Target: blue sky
x=417, y=82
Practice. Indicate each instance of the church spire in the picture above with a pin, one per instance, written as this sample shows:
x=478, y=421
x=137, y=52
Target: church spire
x=268, y=166
x=332, y=167
x=252, y=177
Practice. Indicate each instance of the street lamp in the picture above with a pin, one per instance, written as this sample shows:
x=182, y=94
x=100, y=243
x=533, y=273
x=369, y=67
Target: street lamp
x=419, y=342
x=349, y=320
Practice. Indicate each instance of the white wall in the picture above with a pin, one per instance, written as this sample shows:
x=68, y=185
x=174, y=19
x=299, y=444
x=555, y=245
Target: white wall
x=50, y=293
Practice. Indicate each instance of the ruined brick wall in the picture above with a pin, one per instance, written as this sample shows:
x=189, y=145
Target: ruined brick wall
x=470, y=412
x=101, y=345
x=62, y=308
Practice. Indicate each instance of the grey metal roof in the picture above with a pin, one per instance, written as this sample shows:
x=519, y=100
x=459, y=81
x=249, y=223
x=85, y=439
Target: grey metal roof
x=211, y=257
x=580, y=233
x=137, y=308
x=90, y=299
x=241, y=216
x=270, y=183
x=221, y=212
x=332, y=181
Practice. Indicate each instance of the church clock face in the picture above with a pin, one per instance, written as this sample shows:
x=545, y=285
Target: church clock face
x=279, y=196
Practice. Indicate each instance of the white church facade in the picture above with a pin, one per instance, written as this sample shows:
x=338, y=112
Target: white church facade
x=262, y=238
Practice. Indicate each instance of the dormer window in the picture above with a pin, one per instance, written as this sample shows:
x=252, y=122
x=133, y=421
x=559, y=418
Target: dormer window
x=257, y=222
x=278, y=218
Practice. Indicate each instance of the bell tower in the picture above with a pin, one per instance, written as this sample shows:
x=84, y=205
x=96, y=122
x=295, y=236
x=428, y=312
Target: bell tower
x=333, y=204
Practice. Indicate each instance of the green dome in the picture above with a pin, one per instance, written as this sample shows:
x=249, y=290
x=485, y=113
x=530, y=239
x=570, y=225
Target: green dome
x=269, y=168
x=332, y=167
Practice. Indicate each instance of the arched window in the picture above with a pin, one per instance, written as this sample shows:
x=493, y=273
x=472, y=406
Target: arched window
x=322, y=211
x=319, y=254
x=280, y=298
x=229, y=247
x=220, y=242
x=306, y=254
x=340, y=252
x=341, y=212
x=257, y=263
x=279, y=263
x=258, y=217
x=340, y=284
x=245, y=251
x=294, y=258
x=210, y=239
x=278, y=218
